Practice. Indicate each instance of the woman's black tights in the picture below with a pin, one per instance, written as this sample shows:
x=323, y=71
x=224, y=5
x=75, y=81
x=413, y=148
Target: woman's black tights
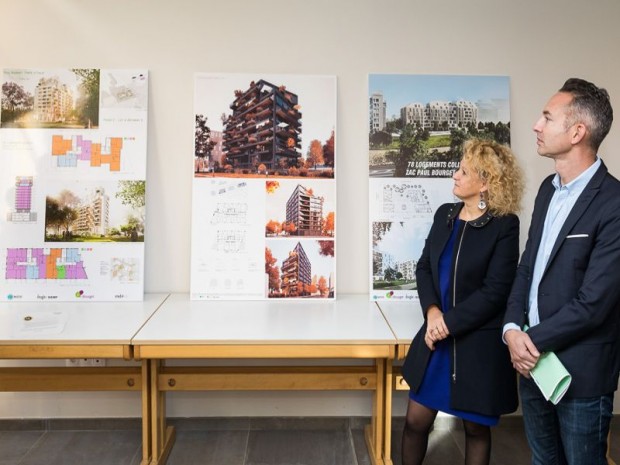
x=418, y=424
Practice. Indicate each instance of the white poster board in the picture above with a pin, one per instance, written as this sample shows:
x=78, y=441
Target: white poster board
x=264, y=188
x=72, y=184
x=417, y=124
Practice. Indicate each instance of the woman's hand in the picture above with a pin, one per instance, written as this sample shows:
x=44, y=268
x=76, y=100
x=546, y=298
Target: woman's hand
x=436, y=329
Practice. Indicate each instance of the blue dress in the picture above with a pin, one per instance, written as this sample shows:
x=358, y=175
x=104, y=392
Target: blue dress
x=434, y=391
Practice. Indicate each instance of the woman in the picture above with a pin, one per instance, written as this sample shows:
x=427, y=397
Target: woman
x=457, y=362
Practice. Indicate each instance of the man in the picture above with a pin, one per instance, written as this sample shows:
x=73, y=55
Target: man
x=567, y=288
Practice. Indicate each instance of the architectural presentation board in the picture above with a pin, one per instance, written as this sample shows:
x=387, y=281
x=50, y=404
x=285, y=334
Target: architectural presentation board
x=417, y=124
x=72, y=184
x=264, y=189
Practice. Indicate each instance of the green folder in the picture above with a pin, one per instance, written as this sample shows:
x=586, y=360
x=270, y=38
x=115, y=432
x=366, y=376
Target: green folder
x=551, y=377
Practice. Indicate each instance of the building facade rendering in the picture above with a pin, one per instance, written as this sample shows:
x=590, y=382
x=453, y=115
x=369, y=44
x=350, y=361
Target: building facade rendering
x=382, y=261
x=94, y=217
x=407, y=269
x=264, y=128
x=53, y=101
x=296, y=272
x=217, y=152
x=440, y=115
x=23, y=201
x=305, y=211
x=414, y=113
x=377, y=112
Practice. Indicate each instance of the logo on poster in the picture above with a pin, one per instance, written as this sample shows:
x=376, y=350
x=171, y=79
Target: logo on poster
x=80, y=295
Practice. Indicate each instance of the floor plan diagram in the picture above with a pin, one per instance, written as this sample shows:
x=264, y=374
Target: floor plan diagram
x=40, y=263
x=69, y=151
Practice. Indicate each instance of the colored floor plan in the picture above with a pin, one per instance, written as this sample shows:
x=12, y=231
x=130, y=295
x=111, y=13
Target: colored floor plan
x=69, y=151
x=40, y=263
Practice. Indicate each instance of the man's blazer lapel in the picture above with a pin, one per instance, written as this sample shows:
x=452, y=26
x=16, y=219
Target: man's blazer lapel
x=580, y=207
x=538, y=221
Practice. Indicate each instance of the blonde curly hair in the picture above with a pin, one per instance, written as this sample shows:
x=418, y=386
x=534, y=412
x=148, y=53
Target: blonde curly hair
x=497, y=166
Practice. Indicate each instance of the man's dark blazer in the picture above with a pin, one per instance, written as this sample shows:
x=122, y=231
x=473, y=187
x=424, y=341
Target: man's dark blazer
x=579, y=292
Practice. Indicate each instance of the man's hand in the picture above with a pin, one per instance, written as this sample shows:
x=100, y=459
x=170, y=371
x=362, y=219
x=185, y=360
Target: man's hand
x=523, y=352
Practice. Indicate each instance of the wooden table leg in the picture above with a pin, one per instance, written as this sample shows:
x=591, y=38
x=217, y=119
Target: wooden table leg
x=146, y=414
x=375, y=431
x=387, y=437
x=162, y=437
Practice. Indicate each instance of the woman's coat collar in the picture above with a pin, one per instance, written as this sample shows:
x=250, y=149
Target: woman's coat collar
x=479, y=222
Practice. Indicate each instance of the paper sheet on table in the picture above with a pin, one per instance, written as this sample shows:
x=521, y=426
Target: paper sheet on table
x=39, y=323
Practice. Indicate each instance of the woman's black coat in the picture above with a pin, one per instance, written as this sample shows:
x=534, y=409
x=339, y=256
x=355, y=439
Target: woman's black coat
x=483, y=380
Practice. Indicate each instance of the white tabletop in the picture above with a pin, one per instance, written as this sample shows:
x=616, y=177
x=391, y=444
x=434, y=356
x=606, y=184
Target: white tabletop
x=27, y=323
x=350, y=319
x=405, y=318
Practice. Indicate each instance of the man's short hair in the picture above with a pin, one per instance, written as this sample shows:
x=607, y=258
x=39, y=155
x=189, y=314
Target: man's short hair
x=590, y=106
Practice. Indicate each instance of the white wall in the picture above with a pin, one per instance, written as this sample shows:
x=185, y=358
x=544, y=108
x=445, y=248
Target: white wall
x=537, y=43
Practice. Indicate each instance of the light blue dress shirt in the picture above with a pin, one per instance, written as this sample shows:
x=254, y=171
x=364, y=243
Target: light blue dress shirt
x=561, y=204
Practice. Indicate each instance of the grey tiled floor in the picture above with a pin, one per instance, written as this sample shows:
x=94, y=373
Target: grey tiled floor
x=241, y=441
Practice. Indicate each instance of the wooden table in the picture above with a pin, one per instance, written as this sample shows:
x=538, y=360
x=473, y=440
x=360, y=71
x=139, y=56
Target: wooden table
x=404, y=319
x=76, y=330
x=350, y=327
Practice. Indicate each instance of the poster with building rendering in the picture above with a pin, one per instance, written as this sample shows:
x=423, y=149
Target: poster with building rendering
x=72, y=182
x=417, y=125
x=264, y=189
